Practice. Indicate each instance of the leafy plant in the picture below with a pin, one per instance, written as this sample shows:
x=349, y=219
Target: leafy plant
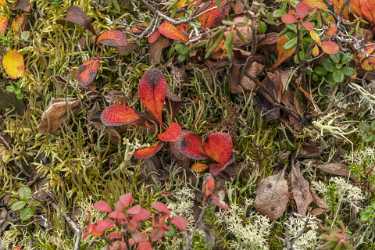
x=23, y=203
x=334, y=69
x=368, y=213
x=16, y=89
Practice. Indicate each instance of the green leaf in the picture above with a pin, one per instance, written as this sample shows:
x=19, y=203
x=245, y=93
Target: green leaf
x=24, y=193
x=327, y=64
x=26, y=213
x=292, y=27
x=291, y=43
x=228, y=44
x=278, y=13
x=320, y=70
x=346, y=58
x=262, y=27
x=18, y=205
x=335, y=58
x=338, y=76
x=348, y=71
x=213, y=45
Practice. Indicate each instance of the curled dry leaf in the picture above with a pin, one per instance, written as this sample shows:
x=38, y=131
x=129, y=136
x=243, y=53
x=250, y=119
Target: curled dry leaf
x=190, y=145
x=3, y=24
x=330, y=47
x=152, y=91
x=272, y=196
x=113, y=38
x=148, y=152
x=282, y=54
x=77, y=16
x=335, y=169
x=156, y=49
x=300, y=190
x=56, y=114
x=170, y=31
x=172, y=133
x=87, y=72
x=119, y=115
x=13, y=64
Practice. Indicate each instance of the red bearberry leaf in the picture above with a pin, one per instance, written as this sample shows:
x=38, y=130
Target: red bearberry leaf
x=88, y=231
x=332, y=30
x=171, y=134
x=157, y=234
x=289, y=18
x=152, y=92
x=118, y=245
x=214, y=17
x=139, y=213
x=153, y=37
x=302, y=10
x=145, y=245
x=218, y=202
x=124, y=201
x=309, y=26
x=118, y=115
x=161, y=207
x=113, y=38
x=87, y=72
x=77, y=16
x=179, y=222
x=138, y=237
x=219, y=147
x=103, y=206
x=103, y=225
x=114, y=235
x=148, y=152
x=170, y=31
x=330, y=47
x=117, y=215
x=190, y=145
x=208, y=186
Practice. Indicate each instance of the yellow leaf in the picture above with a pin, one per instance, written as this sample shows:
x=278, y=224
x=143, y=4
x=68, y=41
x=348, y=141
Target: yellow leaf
x=13, y=64
x=315, y=51
x=199, y=167
x=315, y=37
x=2, y=3
x=282, y=54
x=318, y=4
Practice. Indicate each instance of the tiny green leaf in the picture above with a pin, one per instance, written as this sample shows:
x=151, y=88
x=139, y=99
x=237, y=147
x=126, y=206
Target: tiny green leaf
x=338, y=76
x=18, y=205
x=291, y=43
x=26, y=213
x=24, y=193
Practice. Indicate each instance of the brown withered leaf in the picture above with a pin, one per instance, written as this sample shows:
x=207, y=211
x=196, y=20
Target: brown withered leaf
x=322, y=205
x=272, y=196
x=19, y=23
x=267, y=39
x=335, y=169
x=56, y=114
x=300, y=190
x=23, y=5
x=242, y=31
x=235, y=77
x=156, y=49
x=77, y=16
x=253, y=70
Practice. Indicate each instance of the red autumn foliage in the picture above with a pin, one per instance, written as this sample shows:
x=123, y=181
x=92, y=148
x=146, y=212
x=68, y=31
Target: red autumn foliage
x=171, y=134
x=364, y=8
x=219, y=147
x=214, y=17
x=190, y=145
x=330, y=47
x=152, y=91
x=153, y=37
x=170, y=31
x=119, y=115
x=87, y=72
x=145, y=153
x=103, y=206
x=113, y=38
x=208, y=190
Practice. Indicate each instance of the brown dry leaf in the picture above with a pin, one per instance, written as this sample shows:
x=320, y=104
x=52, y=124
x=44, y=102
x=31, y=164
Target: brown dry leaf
x=3, y=24
x=318, y=201
x=77, y=16
x=268, y=39
x=23, y=5
x=253, y=70
x=335, y=169
x=234, y=83
x=272, y=196
x=300, y=190
x=242, y=32
x=156, y=49
x=56, y=114
x=282, y=54
x=19, y=23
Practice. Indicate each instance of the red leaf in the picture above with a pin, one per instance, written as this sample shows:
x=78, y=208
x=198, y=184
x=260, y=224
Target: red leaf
x=139, y=213
x=114, y=235
x=170, y=31
x=118, y=245
x=282, y=54
x=87, y=71
x=208, y=186
x=289, y=18
x=113, y=38
x=219, y=147
x=157, y=234
x=118, y=115
x=216, y=168
x=330, y=47
x=190, y=145
x=103, y=225
x=309, y=26
x=153, y=37
x=161, y=207
x=302, y=10
x=332, y=30
x=148, y=152
x=152, y=92
x=219, y=203
x=179, y=222
x=214, y=17
x=145, y=245
x=171, y=134
x=117, y=215
x=103, y=206
x=124, y=201
x=77, y=16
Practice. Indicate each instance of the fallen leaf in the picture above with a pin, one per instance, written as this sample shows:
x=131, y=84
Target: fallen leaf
x=147, y=152
x=315, y=51
x=282, y=54
x=113, y=38
x=253, y=70
x=190, y=145
x=242, y=31
x=56, y=114
x=13, y=64
x=23, y=5
x=170, y=31
x=156, y=50
x=272, y=196
x=318, y=4
x=300, y=190
x=330, y=47
x=77, y=16
x=87, y=71
x=144, y=245
x=214, y=17
x=199, y=167
x=153, y=37
x=219, y=147
x=335, y=169
x=152, y=91
x=3, y=24
x=171, y=134
x=119, y=115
